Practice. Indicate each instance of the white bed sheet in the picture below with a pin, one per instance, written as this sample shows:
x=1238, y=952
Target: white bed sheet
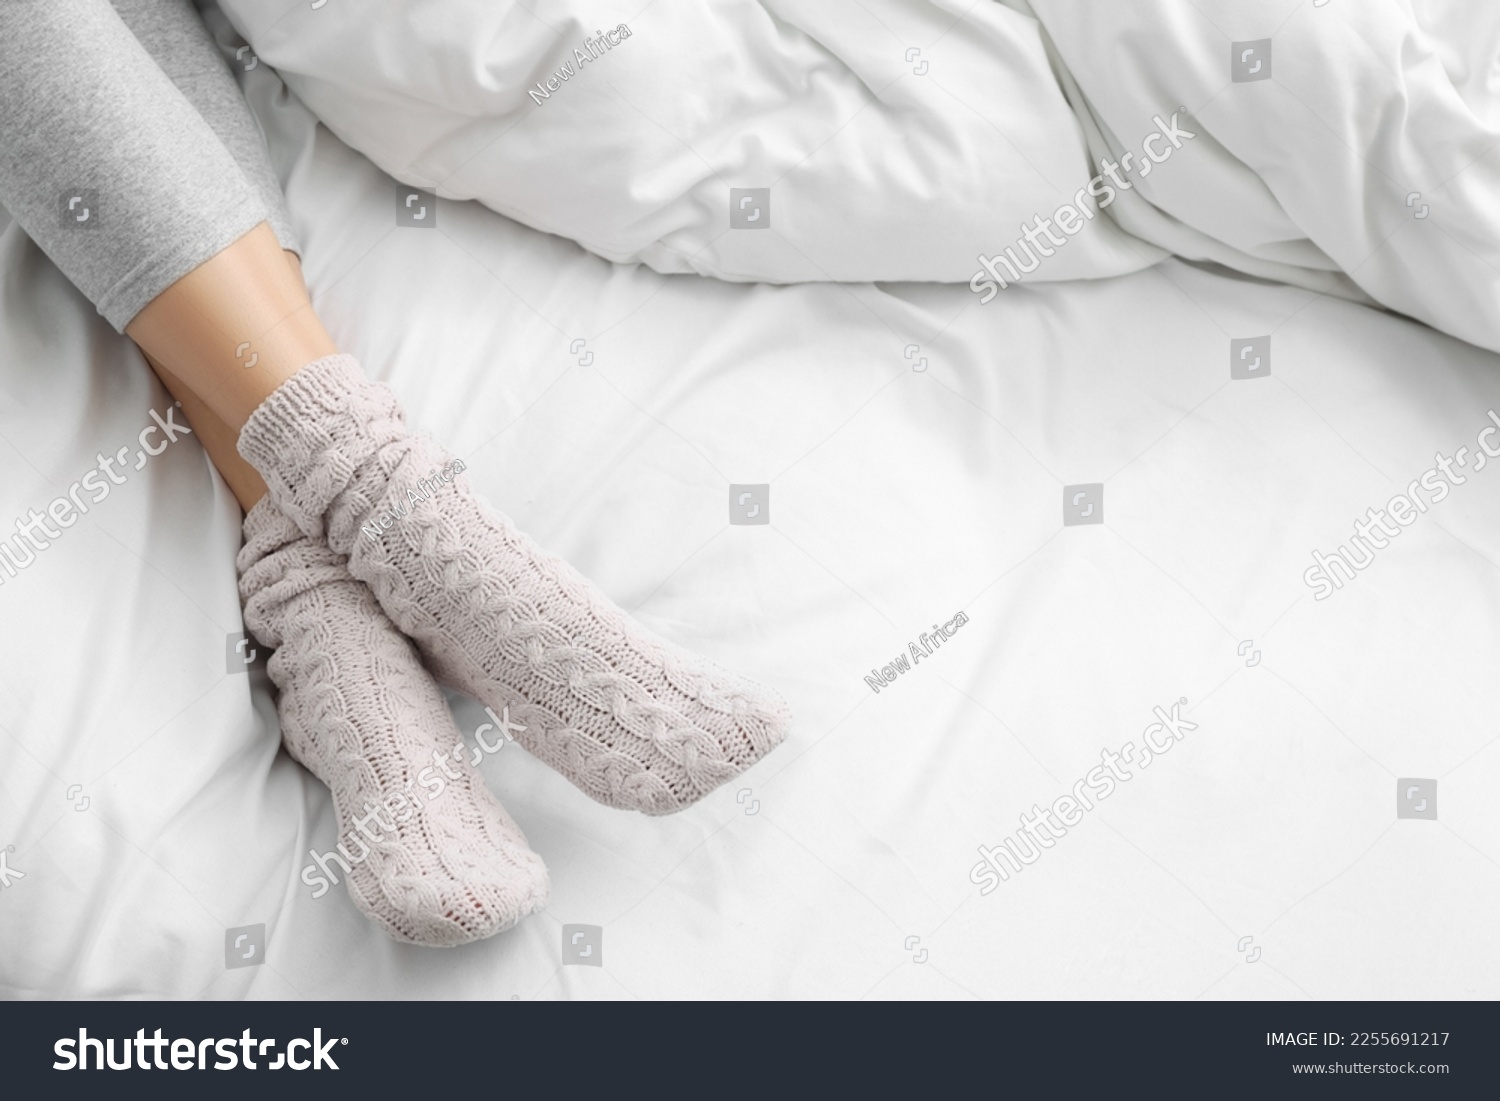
x=898, y=497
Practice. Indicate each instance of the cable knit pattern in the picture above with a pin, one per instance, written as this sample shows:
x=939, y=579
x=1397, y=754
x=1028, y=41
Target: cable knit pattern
x=361, y=713
x=631, y=719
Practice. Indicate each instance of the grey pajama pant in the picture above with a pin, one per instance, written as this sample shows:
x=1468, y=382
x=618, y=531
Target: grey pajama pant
x=126, y=150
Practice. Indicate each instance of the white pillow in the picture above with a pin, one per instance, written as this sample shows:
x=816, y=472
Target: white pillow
x=898, y=139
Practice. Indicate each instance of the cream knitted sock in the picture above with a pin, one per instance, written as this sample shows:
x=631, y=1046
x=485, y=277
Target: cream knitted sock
x=428, y=853
x=633, y=720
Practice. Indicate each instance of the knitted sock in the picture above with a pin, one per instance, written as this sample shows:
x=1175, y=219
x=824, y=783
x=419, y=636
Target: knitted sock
x=631, y=719
x=428, y=853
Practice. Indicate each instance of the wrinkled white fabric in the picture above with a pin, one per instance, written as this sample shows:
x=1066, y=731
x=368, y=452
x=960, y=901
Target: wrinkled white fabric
x=901, y=140
x=1370, y=150
x=880, y=165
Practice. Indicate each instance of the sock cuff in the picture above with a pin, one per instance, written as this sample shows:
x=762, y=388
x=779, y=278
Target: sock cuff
x=310, y=436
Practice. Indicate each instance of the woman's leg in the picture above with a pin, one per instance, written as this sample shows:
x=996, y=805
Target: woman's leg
x=104, y=163
x=180, y=44
x=428, y=872
x=632, y=720
x=119, y=179
x=214, y=435
x=234, y=328
x=177, y=40
x=125, y=185
x=216, y=438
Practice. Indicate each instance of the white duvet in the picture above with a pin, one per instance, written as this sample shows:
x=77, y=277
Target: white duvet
x=924, y=452
x=902, y=140
x=875, y=172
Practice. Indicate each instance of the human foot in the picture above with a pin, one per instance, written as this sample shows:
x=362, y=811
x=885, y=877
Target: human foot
x=433, y=861
x=633, y=720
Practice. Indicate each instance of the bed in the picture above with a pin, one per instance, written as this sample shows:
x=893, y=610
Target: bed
x=979, y=546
